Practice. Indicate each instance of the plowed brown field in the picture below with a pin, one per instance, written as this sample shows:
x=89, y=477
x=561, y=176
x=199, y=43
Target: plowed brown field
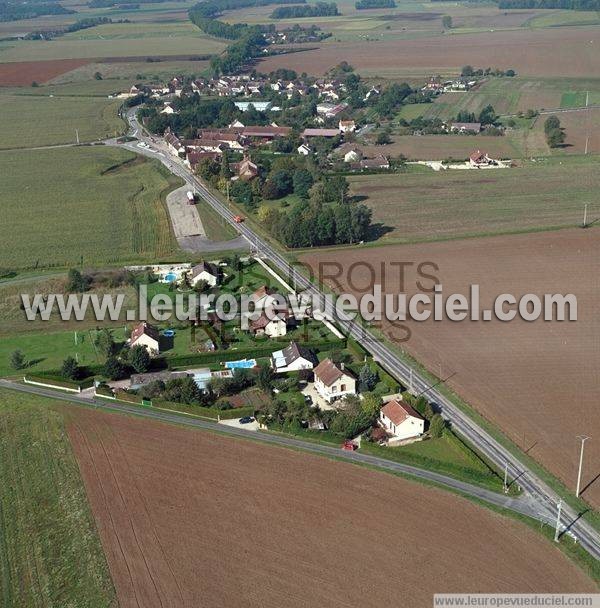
x=189, y=518
x=538, y=381
x=23, y=73
x=527, y=51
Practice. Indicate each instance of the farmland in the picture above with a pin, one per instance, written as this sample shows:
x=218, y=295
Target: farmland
x=23, y=73
x=115, y=40
x=98, y=207
x=449, y=204
x=93, y=118
x=234, y=544
x=535, y=382
x=50, y=552
x=524, y=50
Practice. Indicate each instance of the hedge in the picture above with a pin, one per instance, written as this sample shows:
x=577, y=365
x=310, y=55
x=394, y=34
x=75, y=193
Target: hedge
x=53, y=378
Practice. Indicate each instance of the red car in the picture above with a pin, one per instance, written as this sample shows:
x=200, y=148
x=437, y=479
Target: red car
x=349, y=445
x=238, y=219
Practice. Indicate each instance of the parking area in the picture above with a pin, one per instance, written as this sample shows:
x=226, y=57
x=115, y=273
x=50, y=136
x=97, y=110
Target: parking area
x=316, y=398
x=235, y=422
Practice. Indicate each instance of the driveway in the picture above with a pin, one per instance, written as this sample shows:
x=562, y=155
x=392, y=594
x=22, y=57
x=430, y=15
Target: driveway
x=251, y=426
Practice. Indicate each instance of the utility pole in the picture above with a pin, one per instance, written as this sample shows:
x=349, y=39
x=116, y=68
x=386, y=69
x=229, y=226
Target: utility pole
x=583, y=440
x=506, y=477
x=557, y=530
x=585, y=208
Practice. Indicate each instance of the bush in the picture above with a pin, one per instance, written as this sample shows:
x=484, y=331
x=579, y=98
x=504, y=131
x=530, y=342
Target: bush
x=17, y=360
x=70, y=369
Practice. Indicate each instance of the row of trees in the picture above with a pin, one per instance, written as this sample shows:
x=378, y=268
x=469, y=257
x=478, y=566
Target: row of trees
x=487, y=116
x=297, y=11
x=577, y=5
x=365, y=4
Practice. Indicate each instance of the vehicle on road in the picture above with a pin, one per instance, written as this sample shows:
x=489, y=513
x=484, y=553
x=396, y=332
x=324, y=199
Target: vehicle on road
x=349, y=446
x=238, y=219
x=246, y=420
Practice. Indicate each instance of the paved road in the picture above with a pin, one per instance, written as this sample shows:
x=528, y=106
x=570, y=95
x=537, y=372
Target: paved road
x=524, y=505
x=588, y=537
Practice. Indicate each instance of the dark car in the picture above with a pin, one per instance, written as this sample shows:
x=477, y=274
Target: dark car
x=246, y=420
x=308, y=399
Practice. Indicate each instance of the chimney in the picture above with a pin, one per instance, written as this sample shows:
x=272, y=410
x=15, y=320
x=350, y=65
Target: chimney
x=342, y=366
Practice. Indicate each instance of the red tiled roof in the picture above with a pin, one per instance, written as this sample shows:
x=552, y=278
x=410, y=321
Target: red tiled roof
x=328, y=372
x=398, y=412
x=144, y=328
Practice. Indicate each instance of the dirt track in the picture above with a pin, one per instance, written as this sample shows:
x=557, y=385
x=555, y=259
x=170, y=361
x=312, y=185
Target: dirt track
x=188, y=518
x=537, y=381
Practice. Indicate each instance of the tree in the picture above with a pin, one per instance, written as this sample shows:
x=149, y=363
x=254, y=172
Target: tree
x=264, y=379
x=371, y=404
x=467, y=71
x=105, y=343
x=447, y=22
x=367, y=379
x=17, y=359
x=303, y=182
x=98, y=76
x=70, y=369
x=76, y=282
x=555, y=138
x=487, y=116
x=551, y=123
x=437, y=426
x=139, y=359
x=114, y=369
x=383, y=138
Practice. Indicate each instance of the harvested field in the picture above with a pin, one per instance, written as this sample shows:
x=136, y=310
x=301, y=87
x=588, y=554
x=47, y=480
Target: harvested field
x=582, y=129
x=537, y=381
x=524, y=50
x=23, y=73
x=447, y=204
x=181, y=521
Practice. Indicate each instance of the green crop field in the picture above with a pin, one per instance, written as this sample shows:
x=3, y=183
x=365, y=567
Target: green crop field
x=90, y=205
x=32, y=121
x=454, y=203
x=50, y=554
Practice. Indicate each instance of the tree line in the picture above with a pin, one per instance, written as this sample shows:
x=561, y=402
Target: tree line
x=576, y=5
x=297, y=11
x=365, y=4
x=14, y=11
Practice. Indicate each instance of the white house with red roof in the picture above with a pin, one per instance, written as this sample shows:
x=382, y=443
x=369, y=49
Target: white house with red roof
x=401, y=420
x=147, y=336
x=333, y=382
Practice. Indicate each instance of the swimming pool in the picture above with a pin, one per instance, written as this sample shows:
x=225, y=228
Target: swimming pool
x=169, y=333
x=241, y=364
x=170, y=277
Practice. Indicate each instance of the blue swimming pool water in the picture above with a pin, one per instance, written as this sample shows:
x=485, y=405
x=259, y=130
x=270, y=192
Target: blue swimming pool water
x=171, y=277
x=241, y=364
x=169, y=333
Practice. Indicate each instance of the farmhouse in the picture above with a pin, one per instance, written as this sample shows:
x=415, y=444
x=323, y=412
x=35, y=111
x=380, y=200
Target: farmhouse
x=347, y=126
x=147, y=336
x=304, y=150
x=194, y=157
x=350, y=152
x=267, y=133
x=333, y=382
x=264, y=298
x=481, y=159
x=293, y=358
x=205, y=271
x=379, y=162
x=245, y=170
x=465, y=127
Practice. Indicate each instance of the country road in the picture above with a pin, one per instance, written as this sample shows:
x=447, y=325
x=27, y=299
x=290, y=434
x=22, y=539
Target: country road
x=492, y=449
x=523, y=505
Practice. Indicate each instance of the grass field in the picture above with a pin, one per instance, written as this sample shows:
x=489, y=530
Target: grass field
x=115, y=40
x=429, y=206
x=86, y=205
x=29, y=121
x=50, y=554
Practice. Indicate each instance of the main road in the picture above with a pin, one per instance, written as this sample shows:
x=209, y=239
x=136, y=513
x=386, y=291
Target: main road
x=492, y=449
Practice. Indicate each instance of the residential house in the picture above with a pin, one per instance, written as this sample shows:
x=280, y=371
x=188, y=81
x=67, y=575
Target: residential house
x=347, y=126
x=146, y=335
x=304, y=150
x=259, y=106
x=266, y=133
x=465, y=127
x=401, y=420
x=338, y=109
x=168, y=110
x=333, y=382
x=350, y=152
x=293, y=358
x=272, y=325
x=205, y=271
x=194, y=157
x=264, y=297
x=173, y=143
x=245, y=170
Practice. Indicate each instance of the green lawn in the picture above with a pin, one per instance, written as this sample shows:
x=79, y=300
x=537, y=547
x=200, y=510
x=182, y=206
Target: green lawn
x=217, y=229
x=86, y=205
x=448, y=204
x=50, y=554
x=32, y=121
